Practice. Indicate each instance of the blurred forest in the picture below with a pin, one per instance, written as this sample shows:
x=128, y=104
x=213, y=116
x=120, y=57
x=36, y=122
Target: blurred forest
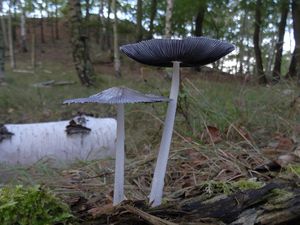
x=266, y=33
x=235, y=154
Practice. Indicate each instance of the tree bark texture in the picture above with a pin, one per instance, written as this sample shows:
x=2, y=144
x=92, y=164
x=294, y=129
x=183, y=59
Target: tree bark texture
x=87, y=17
x=273, y=204
x=241, y=46
x=152, y=18
x=168, y=22
x=296, y=27
x=108, y=26
x=10, y=39
x=279, y=44
x=3, y=26
x=33, y=47
x=200, y=19
x=83, y=138
x=42, y=34
x=2, y=55
x=79, y=42
x=52, y=25
x=2, y=46
x=102, y=29
x=23, y=31
x=258, y=58
x=56, y=20
x=139, y=18
x=117, y=64
x=292, y=68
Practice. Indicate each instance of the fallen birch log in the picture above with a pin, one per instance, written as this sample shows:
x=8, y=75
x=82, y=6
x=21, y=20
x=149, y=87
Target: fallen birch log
x=82, y=138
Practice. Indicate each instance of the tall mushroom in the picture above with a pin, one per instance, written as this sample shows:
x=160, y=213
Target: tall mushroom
x=119, y=96
x=188, y=52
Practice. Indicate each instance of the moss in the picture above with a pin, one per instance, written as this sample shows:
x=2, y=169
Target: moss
x=294, y=169
x=32, y=205
x=217, y=187
x=247, y=184
x=281, y=195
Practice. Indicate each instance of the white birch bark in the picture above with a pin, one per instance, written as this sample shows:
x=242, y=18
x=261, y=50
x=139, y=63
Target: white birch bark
x=32, y=142
x=169, y=13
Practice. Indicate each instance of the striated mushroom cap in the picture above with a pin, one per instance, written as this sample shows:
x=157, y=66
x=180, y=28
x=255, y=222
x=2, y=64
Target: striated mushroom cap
x=119, y=95
x=191, y=51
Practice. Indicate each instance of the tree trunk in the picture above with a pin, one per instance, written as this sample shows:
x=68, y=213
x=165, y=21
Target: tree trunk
x=56, y=21
x=42, y=25
x=79, y=44
x=2, y=45
x=102, y=29
x=279, y=44
x=295, y=62
x=169, y=13
x=272, y=204
x=51, y=20
x=108, y=26
x=10, y=40
x=139, y=18
x=3, y=26
x=23, y=31
x=242, y=35
x=152, y=18
x=2, y=55
x=292, y=68
x=87, y=18
x=258, y=58
x=117, y=63
x=62, y=140
x=33, y=46
x=199, y=19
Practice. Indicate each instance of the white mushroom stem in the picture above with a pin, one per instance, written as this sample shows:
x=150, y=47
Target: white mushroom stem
x=120, y=157
x=163, y=155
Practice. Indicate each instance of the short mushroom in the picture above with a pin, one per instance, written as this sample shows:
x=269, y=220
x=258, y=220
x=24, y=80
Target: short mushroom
x=119, y=96
x=188, y=52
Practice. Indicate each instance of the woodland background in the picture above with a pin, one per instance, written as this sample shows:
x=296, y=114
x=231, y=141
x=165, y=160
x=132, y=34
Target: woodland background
x=235, y=147
x=259, y=29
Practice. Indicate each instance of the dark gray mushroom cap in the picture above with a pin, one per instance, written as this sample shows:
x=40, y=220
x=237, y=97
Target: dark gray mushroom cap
x=118, y=95
x=191, y=51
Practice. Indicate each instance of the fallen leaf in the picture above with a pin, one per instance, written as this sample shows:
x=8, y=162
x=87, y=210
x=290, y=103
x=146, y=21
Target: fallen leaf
x=211, y=135
x=107, y=209
x=285, y=143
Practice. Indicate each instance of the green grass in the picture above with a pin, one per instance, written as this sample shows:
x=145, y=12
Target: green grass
x=202, y=103
x=260, y=111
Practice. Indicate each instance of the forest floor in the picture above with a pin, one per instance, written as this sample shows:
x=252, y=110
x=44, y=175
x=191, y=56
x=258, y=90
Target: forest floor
x=230, y=136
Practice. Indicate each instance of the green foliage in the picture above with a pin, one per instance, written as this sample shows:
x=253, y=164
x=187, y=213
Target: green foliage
x=281, y=196
x=294, y=169
x=247, y=184
x=32, y=206
x=219, y=187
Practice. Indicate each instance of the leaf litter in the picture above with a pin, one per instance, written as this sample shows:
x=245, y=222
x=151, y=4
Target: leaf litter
x=196, y=173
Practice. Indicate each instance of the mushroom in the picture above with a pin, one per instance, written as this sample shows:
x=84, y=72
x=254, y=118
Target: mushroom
x=188, y=52
x=119, y=96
